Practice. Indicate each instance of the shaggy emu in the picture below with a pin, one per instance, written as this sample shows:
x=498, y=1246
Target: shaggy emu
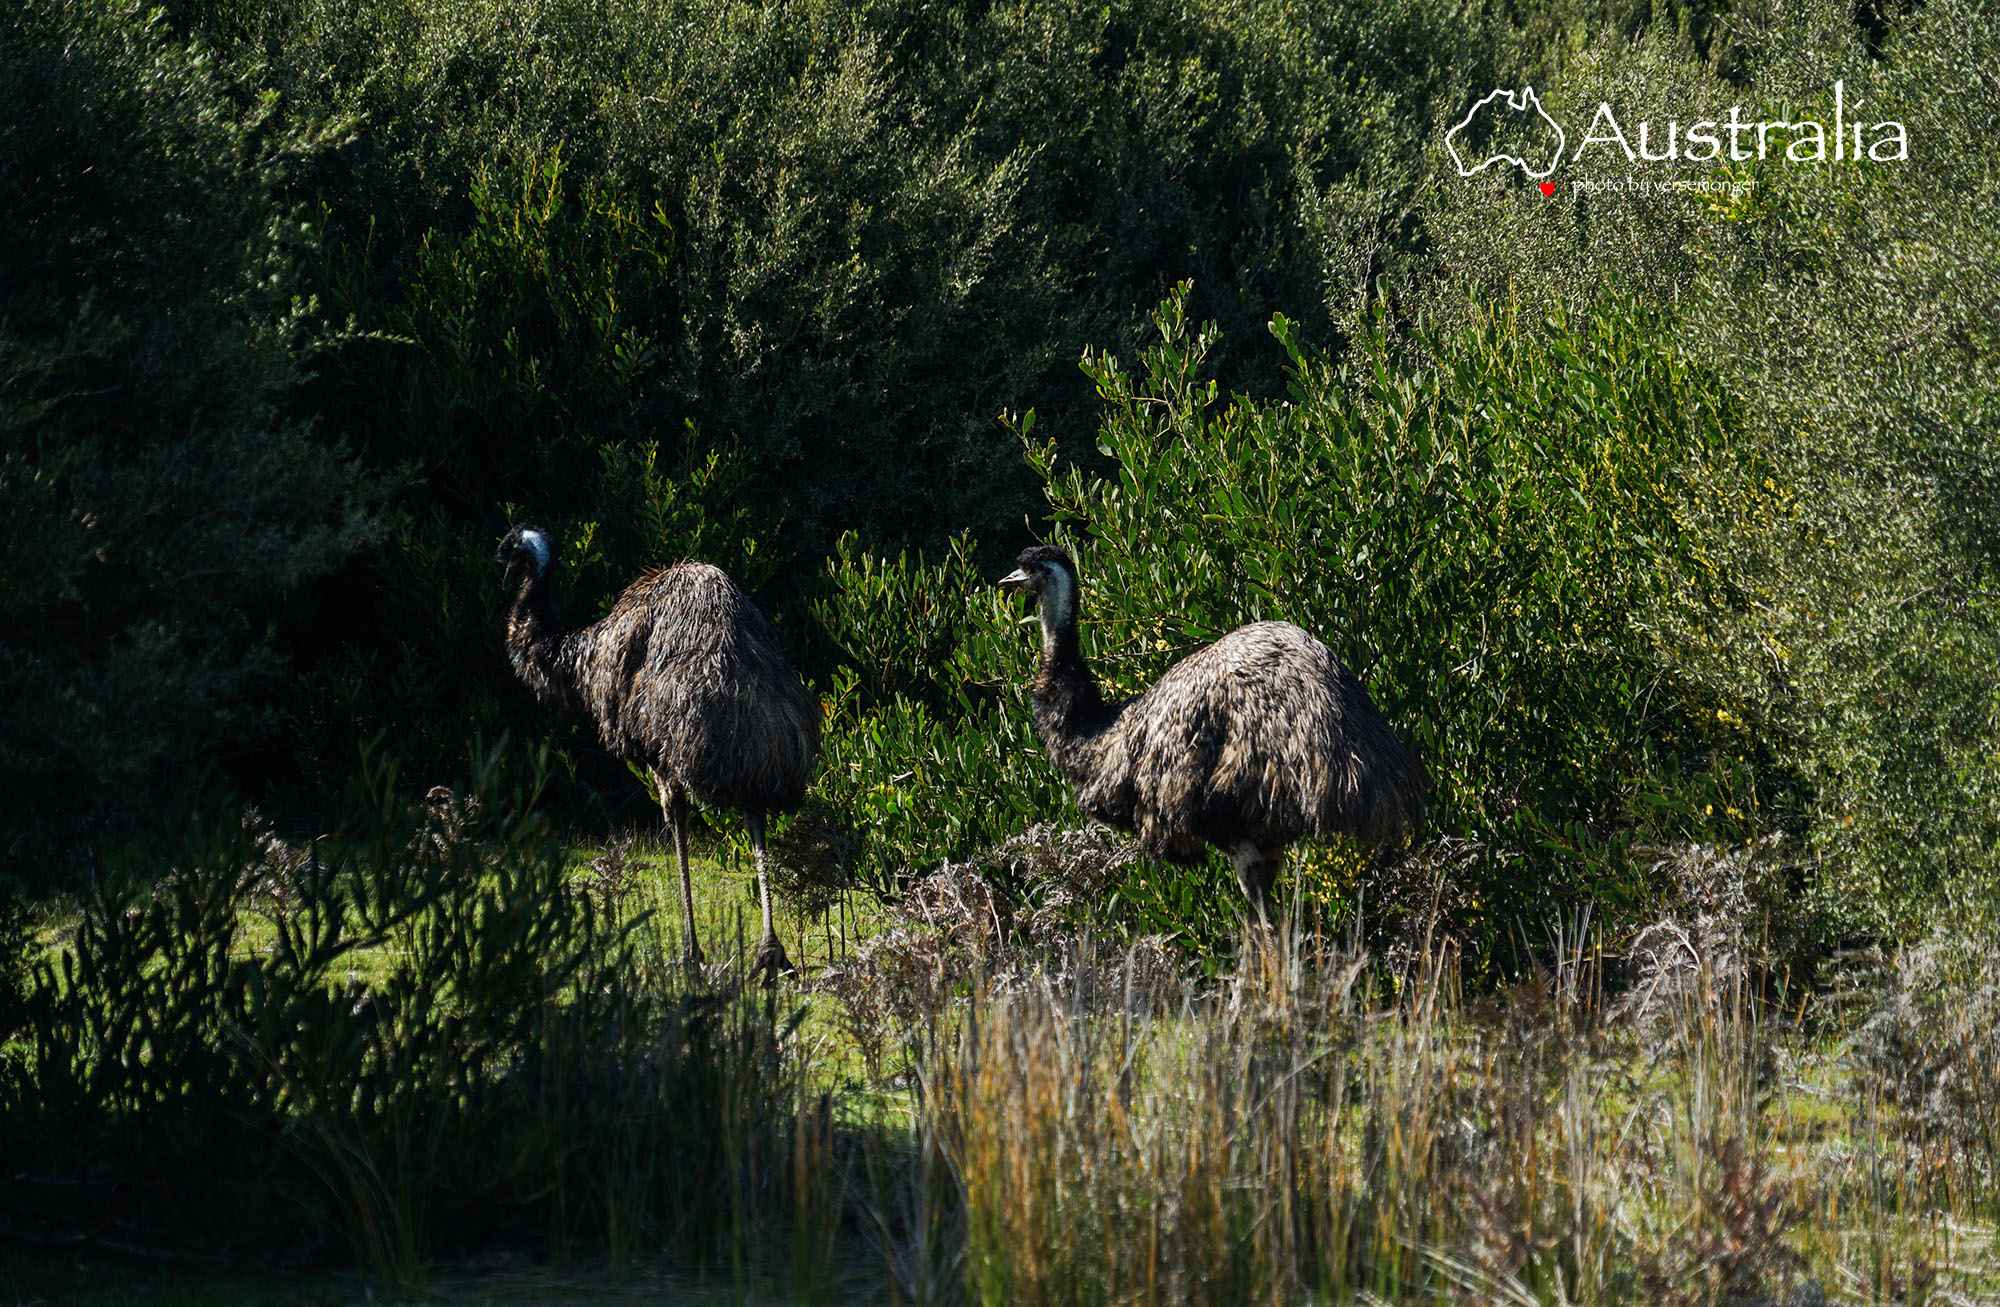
x=685, y=678
x=1261, y=739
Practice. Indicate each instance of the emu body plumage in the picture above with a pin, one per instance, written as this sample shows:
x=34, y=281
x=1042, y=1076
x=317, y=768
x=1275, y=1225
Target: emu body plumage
x=1251, y=744
x=684, y=677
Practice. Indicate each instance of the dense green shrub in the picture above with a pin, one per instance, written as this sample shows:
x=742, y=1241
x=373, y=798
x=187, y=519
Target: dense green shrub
x=751, y=282
x=156, y=502
x=831, y=239
x=1850, y=309
x=1480, y=540
x=865, y=227
x=1858, y=311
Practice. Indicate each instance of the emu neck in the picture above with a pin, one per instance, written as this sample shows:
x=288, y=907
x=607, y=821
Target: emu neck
x=1069, y=707
x=535, y=638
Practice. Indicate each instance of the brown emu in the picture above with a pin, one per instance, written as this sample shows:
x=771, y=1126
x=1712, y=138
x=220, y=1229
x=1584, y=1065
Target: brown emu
x=685, y=678
x=1257, y=741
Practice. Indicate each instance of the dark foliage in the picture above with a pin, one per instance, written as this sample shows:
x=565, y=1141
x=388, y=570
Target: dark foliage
x=434, y=1044
x=580, y=251
x=156, y=503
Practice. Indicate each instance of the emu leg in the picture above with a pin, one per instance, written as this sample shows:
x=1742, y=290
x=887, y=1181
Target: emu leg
x=1256, y=872
x=771, y=959
x=676, y=806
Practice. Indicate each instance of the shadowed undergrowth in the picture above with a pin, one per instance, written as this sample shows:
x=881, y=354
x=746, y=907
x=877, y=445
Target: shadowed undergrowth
x=448, y=1045
x=415, y=1037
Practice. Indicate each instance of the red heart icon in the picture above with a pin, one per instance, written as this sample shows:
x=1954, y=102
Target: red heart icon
x=1548, y=188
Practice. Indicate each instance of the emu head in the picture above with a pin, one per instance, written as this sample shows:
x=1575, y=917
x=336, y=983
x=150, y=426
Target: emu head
x=1046, y=574
x=526, y=546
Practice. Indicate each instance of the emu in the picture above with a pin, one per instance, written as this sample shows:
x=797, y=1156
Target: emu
x=685, y=678
x=1259, y=740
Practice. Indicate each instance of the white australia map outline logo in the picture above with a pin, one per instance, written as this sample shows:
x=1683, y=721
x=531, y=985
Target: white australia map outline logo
x=1522, y=102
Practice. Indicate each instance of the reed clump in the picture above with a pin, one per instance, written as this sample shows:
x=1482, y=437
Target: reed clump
x=1316, y=1129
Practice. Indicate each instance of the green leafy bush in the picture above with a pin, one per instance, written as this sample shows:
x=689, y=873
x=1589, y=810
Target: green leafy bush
x=869, y=227
x=1849, y=309
x=830, y=241
x=1858, y=310
x=1479, y=540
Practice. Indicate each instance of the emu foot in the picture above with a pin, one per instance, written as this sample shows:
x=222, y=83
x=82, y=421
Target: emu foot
x=772, y=962
x=692, y=961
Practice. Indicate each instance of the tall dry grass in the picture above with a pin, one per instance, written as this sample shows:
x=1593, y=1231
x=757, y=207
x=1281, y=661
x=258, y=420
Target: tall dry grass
x=1317, y=1130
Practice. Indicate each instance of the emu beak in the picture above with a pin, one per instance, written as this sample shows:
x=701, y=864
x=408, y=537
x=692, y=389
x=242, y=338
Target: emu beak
x=1018, y=580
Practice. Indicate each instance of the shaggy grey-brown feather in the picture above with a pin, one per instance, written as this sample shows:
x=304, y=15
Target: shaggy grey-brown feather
x=1259, y=740
x=684, y=675
x=1262, y=736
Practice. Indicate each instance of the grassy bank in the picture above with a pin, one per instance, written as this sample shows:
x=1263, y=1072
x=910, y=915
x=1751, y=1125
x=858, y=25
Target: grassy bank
x=990, y=1097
